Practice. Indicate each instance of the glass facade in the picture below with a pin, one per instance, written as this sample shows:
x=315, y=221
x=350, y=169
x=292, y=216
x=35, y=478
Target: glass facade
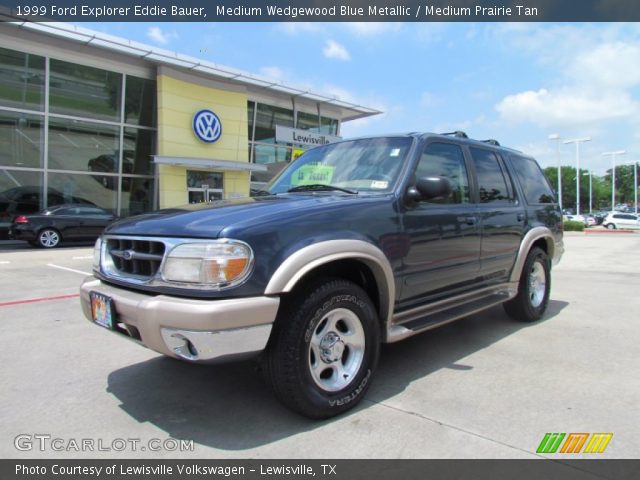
x=263, y=147
x=91, y=143
x=22, y=80
x=78, y=133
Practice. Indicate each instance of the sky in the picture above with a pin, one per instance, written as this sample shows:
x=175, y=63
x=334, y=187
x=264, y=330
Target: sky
x=514, y=82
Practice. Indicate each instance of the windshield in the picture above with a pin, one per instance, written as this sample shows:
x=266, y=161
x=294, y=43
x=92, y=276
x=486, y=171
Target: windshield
x=370, y=164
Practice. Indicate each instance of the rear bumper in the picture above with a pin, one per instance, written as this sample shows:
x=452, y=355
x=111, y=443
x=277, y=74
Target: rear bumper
x=19, y=234
x=199, y=331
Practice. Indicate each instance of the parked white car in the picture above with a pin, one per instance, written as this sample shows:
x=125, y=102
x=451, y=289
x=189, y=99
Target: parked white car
x=621, y=220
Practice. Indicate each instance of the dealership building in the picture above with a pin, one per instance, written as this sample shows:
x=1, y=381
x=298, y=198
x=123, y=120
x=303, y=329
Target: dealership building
x=86, y=116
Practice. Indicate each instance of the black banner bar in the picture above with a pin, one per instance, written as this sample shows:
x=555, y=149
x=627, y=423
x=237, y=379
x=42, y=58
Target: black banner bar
x=320, y=10
x=556, y=469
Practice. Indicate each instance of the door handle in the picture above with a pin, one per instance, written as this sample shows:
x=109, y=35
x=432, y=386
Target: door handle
x=520, y=217
x=471, y=220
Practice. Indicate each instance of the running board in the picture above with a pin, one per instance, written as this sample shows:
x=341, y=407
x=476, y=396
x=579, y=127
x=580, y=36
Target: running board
x=418, y=320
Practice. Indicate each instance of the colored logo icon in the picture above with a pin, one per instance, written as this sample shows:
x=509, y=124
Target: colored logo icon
x=207, y=126
x=574, y=443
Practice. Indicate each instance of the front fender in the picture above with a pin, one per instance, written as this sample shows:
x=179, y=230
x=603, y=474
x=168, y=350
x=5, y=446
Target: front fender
x=303, y=261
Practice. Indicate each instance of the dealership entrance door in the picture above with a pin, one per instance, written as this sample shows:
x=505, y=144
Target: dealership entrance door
x=204, y=187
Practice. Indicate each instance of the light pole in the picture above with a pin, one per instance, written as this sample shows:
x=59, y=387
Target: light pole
x=635, y=186
x=556, y=137
x=590, y=190
x=613, y=175
x=578, y=141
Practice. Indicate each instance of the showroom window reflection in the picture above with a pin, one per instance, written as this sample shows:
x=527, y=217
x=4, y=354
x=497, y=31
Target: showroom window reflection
x=263, y=118
x=95, y=144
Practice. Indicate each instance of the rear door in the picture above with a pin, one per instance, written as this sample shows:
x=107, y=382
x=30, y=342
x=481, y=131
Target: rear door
x=501, y=215
x=444, y=233
x=65, y=220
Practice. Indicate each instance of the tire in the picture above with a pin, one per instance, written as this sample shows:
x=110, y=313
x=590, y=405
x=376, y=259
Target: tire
x=611, y=226
x=324, y=349
x=533, y=290
x=49, y=238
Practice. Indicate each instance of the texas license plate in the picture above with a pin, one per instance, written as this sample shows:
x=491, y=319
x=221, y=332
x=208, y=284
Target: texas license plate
x=102, y=309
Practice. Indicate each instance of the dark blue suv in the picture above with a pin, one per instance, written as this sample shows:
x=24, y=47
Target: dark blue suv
x=356, y=243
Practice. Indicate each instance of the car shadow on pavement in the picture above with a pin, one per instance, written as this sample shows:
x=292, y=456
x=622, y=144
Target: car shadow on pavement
x=229, y=406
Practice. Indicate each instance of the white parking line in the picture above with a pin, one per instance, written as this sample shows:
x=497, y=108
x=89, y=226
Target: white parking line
x=68, y=269
x=5, y=262
x=87, y=257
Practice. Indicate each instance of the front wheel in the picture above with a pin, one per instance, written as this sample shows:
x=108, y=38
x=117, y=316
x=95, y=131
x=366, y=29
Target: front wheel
x=611, y=226
x=533, y=290
x=324, y=349
x=49, y=238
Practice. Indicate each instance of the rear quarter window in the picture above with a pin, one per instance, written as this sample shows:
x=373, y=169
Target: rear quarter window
x=534, y=184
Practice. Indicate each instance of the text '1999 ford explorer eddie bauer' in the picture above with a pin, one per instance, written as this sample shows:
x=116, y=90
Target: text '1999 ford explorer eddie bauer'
x=354, y=244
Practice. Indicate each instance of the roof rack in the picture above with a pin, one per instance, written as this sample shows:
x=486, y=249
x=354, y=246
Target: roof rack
x=491, y=141
x=457, y=133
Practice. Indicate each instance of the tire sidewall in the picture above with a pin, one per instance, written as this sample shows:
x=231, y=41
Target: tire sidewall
x=352, y=298
x=536, y=256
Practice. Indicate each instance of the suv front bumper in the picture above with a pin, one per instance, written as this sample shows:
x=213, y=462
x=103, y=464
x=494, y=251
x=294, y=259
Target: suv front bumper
x=200, y=331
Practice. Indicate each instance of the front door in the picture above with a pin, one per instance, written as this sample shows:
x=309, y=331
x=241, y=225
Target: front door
x=444, y=233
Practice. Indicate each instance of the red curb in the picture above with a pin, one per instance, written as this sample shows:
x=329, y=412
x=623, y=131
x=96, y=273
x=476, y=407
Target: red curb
x=609, y=231
x=41, y=299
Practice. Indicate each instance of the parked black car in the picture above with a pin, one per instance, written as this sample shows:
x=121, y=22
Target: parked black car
x=63, y=222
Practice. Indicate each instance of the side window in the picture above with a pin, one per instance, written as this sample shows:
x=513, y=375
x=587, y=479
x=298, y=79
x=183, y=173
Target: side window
x=492, y=184
x=446, y=160
x=89, y=211
x=65, y=211
x=534, y=183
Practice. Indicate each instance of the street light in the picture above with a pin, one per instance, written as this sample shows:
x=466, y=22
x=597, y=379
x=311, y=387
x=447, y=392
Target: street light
x=590, y=190
x=578, y=141
x=613, y=175
x=635, y=186
x=556, y=137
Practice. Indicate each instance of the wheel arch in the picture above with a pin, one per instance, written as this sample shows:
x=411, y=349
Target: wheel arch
x=354, y=260
x=541, y=237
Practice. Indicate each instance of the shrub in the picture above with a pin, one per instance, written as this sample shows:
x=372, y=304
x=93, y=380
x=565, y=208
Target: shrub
x=572, y=226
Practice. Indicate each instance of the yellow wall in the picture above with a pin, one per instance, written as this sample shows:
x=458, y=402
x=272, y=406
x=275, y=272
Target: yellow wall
x=178, y=101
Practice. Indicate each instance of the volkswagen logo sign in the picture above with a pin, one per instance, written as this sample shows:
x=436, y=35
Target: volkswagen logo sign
x=207, y=126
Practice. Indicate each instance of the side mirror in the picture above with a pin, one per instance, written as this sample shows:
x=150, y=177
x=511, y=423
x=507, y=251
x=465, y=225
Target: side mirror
x=428, y=188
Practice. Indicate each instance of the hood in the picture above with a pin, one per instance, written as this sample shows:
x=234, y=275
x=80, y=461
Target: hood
x=209, y=220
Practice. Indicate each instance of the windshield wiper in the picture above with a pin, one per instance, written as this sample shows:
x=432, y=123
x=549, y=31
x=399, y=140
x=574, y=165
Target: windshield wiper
x=260, y=193
x=320, y=187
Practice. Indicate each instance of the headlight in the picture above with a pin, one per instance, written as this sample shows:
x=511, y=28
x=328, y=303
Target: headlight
x=218, y=263
x=96, y=254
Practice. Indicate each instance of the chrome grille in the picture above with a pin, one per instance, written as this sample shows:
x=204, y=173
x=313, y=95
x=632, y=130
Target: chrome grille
x=137, y=258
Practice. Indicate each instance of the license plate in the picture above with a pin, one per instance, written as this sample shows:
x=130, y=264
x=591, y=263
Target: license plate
x=102, y=310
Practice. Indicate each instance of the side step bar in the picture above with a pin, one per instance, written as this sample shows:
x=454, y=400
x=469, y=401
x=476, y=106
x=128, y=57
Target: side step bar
x=417, y=320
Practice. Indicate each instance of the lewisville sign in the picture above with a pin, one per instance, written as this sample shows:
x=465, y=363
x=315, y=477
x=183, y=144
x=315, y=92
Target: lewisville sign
x=303, y=137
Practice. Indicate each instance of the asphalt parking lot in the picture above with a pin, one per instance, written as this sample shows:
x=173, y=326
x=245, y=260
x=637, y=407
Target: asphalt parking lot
x=482, y=387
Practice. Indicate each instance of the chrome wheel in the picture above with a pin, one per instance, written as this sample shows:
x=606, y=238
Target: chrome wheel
x=336, y=349
x=49, y=238
x=537, y=284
